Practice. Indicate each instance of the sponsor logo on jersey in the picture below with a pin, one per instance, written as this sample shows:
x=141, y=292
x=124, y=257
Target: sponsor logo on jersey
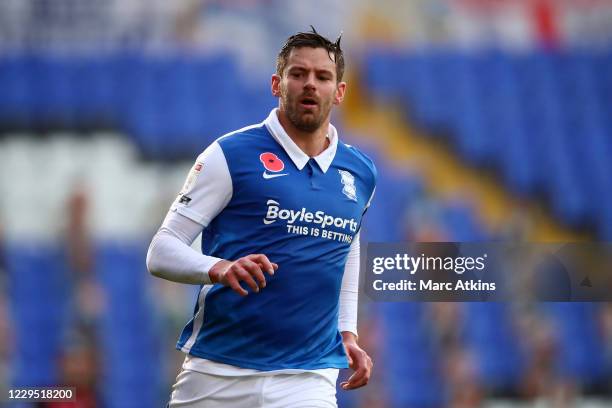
x=268, y=176
x=192, y=177
x=317, y=218
x=348, y=182
x=272, y=164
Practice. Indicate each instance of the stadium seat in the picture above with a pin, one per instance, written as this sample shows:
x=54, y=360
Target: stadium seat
x=470, y=136
x=542, y=119
x=410, y=357
x=487, y=330
x=37, y=272
x=579, y=342
x=127, y=328
x=16, y=98
x=96, y=88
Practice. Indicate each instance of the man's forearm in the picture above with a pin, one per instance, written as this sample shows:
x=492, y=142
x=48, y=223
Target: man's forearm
x=171, y=259
x=349, y=291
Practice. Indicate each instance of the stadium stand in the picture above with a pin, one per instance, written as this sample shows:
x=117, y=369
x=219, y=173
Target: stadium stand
x=541, y=120
x=538, y=119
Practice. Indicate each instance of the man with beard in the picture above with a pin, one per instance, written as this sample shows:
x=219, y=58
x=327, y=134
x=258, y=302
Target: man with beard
x=279, y=205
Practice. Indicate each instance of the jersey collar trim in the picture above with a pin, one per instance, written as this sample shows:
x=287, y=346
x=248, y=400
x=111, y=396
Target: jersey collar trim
x=298, y=157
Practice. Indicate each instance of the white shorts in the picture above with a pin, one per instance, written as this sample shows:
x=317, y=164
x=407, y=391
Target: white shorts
x=194, y=389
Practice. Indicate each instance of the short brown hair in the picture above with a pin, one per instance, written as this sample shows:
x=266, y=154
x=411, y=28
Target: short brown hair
x=314, y=40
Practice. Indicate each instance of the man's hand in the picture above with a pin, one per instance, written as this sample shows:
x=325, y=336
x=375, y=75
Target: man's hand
x=247, y=269
x=359, y=361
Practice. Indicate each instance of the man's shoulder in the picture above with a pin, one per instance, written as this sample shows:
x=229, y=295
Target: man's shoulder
x=251, y=133
x=233, y=143
x=358, y=159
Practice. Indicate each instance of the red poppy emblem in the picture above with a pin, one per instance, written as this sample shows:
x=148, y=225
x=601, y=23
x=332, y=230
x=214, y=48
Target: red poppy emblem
x=271, y=162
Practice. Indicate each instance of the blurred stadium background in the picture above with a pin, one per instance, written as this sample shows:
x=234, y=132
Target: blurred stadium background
x=488, y=120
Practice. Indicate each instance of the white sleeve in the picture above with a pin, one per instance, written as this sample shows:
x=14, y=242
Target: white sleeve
x=171, y=256
x=347, y=315
x=207, y=189
x=206, y=192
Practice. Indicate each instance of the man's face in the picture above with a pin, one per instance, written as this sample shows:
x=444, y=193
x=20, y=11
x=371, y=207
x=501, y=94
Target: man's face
x=308, y=88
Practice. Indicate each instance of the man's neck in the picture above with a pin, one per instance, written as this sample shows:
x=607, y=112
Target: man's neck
x=311, y=143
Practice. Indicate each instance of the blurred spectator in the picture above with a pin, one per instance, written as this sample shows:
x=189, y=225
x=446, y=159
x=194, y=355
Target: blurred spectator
x=459, y=364
x=536, y=330
x=88, y=295
x=423, y=221
x=79, y=368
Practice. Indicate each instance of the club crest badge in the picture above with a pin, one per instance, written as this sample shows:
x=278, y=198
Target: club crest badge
x=348, y=185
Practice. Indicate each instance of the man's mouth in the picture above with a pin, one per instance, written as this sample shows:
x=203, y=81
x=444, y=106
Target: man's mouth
x=309, y=102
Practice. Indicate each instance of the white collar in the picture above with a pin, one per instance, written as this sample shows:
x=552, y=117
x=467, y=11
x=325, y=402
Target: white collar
x=299, y=158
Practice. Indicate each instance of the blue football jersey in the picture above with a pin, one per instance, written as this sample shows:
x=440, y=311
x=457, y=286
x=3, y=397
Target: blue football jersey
x=303, y=214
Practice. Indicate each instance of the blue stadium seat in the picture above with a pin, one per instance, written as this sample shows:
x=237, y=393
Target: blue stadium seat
x=460, y=221
x=515, y=152
x=255, y=104
x=184, y=107
x=219, y=90
x=128, y=338
x=470, y=133
x=542, y=119
x=16, y=98
x=429, y=110
x=39, y=307
x=410, y=357
x=53, y=79
x=96, y=86
x=579, y=356
x=380, y=72
x=489, y=334
x=144, y=114
x=401, y=190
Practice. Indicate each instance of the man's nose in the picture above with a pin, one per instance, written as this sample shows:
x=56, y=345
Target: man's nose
x=310, y=81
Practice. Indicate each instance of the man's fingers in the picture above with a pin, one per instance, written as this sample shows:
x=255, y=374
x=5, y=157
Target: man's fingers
x=243, y=275
x=358, y=379
x=255, y=271
x=362, y=364
x=264, y=262
x=250, y=270
x=233, y=283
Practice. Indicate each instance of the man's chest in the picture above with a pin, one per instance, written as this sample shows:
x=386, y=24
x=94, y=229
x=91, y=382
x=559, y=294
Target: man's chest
x=269, y=186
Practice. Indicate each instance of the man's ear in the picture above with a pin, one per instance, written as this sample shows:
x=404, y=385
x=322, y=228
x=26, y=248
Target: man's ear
x=340, y=91
x=275, y=86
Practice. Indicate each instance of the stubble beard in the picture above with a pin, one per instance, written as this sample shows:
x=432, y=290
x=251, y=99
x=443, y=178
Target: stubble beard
x=306, y=122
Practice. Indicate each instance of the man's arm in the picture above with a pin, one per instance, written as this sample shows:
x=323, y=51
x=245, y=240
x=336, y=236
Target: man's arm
x=349, y=291
x=206, y=192
x=358, y=359
x=171, y=257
